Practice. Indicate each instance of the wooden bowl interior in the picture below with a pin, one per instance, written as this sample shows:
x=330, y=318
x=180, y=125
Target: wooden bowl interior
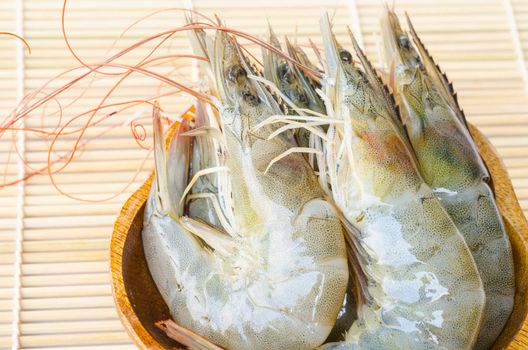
x=140, y=305
x=146, y=300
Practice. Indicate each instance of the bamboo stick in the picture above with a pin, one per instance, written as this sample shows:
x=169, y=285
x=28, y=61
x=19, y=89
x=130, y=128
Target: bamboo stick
x=92, y=347
x=74, y=339
x=66, y=233
x=61, y=291
x=108, y=313
x=82, y=178
x=91, y=189
x=75, y=210
x=56, y=199
x=66, y=291
x=5, y=341
x=65, y=257
x=61, y=303
x=5, y=305
x=57, y=268
x=65, y=245
x=70, y=327
x=6, y=259
x=5, y=316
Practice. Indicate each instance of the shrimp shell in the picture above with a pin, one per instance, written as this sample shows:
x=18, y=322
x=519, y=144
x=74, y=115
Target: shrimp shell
x=419, y=285
x=275, y=279
x=450, y=163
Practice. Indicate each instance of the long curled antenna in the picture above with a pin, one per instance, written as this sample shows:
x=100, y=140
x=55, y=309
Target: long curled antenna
x=19, y=38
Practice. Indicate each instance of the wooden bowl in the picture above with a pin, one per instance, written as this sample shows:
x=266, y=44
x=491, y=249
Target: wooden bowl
x=140, y=305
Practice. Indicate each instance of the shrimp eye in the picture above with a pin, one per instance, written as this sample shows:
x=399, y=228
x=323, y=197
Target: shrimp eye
x=250, y=98
x=302, y=98
x=282, y=70
x=404, y=42
x=285, y=73
x=345, y=56
x=236, y=73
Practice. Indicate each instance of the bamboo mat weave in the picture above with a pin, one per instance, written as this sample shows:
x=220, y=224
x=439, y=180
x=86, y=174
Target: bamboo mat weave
x=54, y=280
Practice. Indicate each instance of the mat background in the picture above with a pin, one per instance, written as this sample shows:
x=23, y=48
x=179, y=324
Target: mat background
x=54, y=280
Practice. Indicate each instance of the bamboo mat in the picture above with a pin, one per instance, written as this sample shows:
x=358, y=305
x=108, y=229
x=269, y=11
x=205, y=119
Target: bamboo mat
x=54, y=280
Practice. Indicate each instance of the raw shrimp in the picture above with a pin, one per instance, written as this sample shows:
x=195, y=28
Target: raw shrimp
x=419, y=287
x=450, y=163
x=275, y=277
x=300, y=96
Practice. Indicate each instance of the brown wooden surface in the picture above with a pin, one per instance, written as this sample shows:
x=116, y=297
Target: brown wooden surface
x=140, y=305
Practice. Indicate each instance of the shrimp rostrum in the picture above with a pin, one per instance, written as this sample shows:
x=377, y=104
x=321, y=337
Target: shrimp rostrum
x=269, y=268
x=450, y=163
x=418, y=285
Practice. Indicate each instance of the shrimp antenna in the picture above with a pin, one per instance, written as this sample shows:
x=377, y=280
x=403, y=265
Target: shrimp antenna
x=316, y=52
x=19, y=38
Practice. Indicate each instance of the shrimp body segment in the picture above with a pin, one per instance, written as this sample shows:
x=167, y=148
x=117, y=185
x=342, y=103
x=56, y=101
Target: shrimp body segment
x=419, y=287
x=275, y=277
x=450, y=163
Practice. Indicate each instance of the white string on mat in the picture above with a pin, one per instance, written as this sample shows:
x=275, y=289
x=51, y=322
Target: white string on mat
x=516, y=39
x=21, y=144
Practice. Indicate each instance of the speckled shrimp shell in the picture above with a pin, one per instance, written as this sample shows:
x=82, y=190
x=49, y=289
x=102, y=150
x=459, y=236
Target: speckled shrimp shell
x=419, y=287
x=300, y=100
x=275, y=275
x=450, y=163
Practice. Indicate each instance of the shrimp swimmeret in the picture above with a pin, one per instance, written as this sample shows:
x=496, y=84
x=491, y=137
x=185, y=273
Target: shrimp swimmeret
x=274, y=274
x=419, y=287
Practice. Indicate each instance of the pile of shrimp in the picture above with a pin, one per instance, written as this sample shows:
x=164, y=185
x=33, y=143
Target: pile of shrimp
x=305, y=207
x=311, y=205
